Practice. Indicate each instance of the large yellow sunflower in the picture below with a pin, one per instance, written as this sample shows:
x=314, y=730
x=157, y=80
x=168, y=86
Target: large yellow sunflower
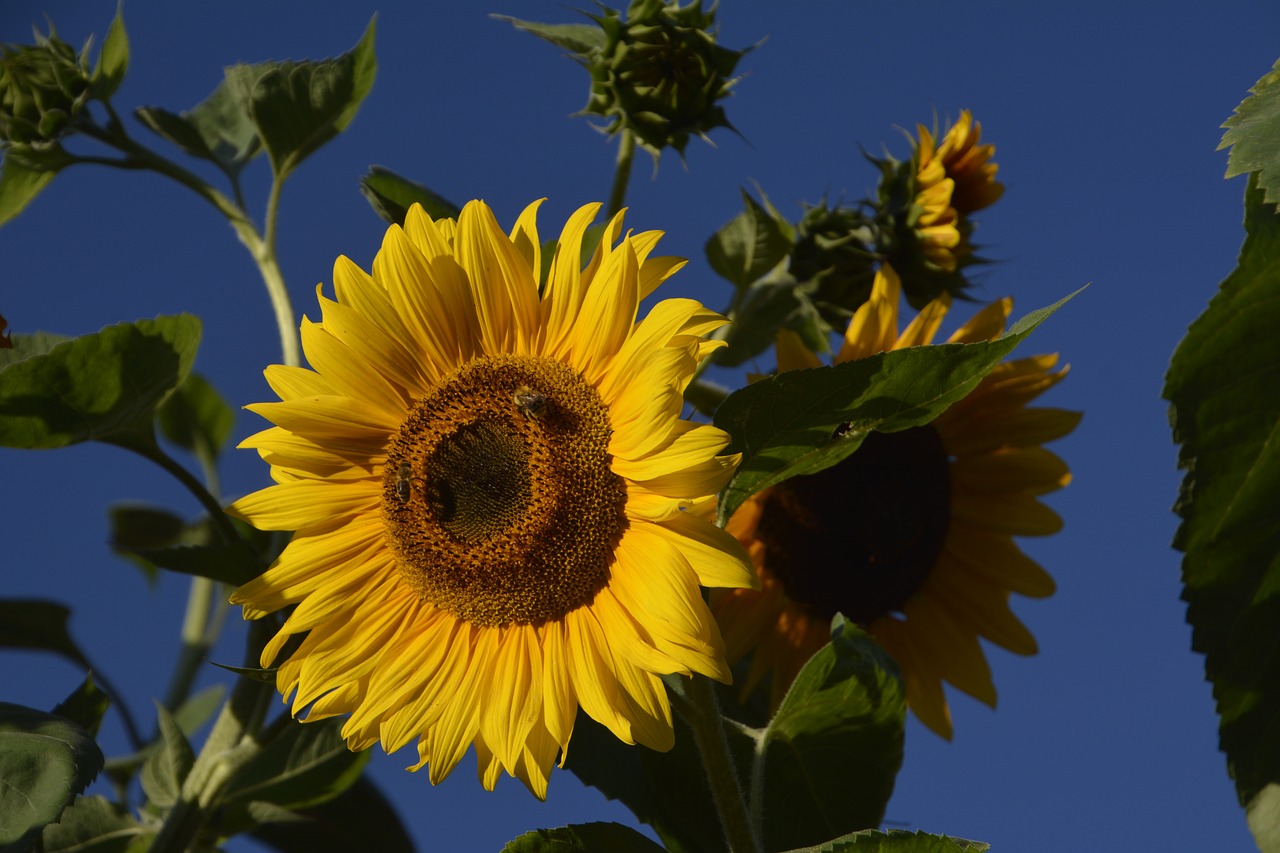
x=912, y=536
x=488, y=478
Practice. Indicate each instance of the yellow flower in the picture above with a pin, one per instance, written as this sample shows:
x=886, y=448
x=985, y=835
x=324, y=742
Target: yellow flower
x=953, y=179
x=911, y=536
x=488, y=484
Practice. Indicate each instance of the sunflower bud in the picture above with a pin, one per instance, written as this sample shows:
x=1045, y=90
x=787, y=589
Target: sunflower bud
x=42, y=88
x=661, y=73
x=925, y=205
x=832, y=254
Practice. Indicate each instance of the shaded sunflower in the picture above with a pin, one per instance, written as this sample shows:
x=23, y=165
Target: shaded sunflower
x=912, y=536
x=488, y=488
x=963, y=160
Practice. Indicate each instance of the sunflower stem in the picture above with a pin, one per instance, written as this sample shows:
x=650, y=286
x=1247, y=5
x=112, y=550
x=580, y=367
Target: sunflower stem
x=703, y=716
x=264, y=254
x=622, y=172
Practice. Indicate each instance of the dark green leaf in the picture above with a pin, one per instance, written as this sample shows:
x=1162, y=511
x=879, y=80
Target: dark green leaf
x=749, y=245
x=93, y=825
x=299, y=106
x=113, y=60
x=581, y=39
x=583, y=838
x=833, y=749
x=306, y=764
x=19, y=184
x=137, y=526
x=391, y=196
x=1253, y=134
x=220, y=128
x=802, y=421
x=157, y=539
x=667, y=790
x=196, y=418
x=85, y=707
x=232, y=564
x=1226, y=416
x=705, y=396
x=360, y=818
x=167, y=767
x=102, y=386
x=41, y=625
x=45, y=760
x=896, y=841
x=763, y=309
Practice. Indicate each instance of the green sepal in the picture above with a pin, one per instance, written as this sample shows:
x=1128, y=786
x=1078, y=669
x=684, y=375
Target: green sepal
x=1253, y=135
x=896, y=841
x=1225, y=415
x=103, y=386
x=196, y=418
x=86, y=706
x=38, y=625
x=600, y=837
x=113, y=59
x=45, y=760
x=802, y=421
x=166, y=766
x=96, y=825
x=19, y=184
x=304, y=765
x=582, y=39
x=360, y=818
x=391, y=196
x=834, y=747
x=299, y=106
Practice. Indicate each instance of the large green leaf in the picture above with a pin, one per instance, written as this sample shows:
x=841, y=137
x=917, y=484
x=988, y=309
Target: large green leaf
x=102, y=386
x=360, y=818
x=19, y=184
x=45, y=760
x=94, y=825
x=219, y=129
x=833, y=749
x=1253, y=135
x=38, y=625
x=1226, y=415
x=802, y=421
x=896, y=841
x=391, y=196
x=583, y=838
x=299, y=106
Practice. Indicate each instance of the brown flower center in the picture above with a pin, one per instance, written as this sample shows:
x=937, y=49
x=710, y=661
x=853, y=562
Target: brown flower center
x=500, y=503
x=861, y=537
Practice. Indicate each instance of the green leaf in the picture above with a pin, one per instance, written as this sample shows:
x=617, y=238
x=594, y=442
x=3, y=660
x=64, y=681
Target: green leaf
x=763, y=309
x=1226, y=415
x=1253, y=135
x=896, y=841
x=233, y=564
x=583, y=838
x=19, y=184
x=167, y=767
x=265, y=675
x=113, y=59
x=40, y=625
x=833, y=749
x=196, y=418
x=93, y=825
x=189, y=717
x=86, y=706
x=103, y=386
x=156, y=539
x=220, y=128
x=581, y=39
x=299, y=106
x=360, y=818
x=391, y=196
x=802, y=421
x=305, y=765
x=749, y=245
x=45, y=760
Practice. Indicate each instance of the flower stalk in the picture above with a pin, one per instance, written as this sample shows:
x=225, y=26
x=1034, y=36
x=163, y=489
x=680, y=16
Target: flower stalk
x=702, y=712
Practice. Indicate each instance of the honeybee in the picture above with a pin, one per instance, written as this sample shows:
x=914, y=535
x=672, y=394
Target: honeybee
x=404, y=487
x=531, y=403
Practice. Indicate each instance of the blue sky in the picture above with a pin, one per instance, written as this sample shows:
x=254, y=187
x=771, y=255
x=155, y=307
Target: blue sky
x=1106, y=119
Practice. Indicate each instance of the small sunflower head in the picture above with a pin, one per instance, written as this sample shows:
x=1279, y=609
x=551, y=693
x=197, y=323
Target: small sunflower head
x=925, y=206
x=661, y=73
x=43, y=87
x=832, y=254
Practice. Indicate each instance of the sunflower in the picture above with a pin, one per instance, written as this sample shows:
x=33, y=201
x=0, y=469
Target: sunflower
x=953, y=178
x=911, y=537
x=488, y=481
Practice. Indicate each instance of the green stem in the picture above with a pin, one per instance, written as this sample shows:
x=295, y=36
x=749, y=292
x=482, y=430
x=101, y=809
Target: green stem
x=216, y=514
x=622, y=172
x=265, y=256
x=196, y=642
x=703, y=715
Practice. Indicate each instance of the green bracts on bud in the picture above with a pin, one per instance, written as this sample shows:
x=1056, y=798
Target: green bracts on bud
x=833, y=256
x=42, y=88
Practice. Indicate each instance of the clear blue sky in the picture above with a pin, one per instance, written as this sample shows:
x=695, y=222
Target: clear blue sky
x=1105, y=117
